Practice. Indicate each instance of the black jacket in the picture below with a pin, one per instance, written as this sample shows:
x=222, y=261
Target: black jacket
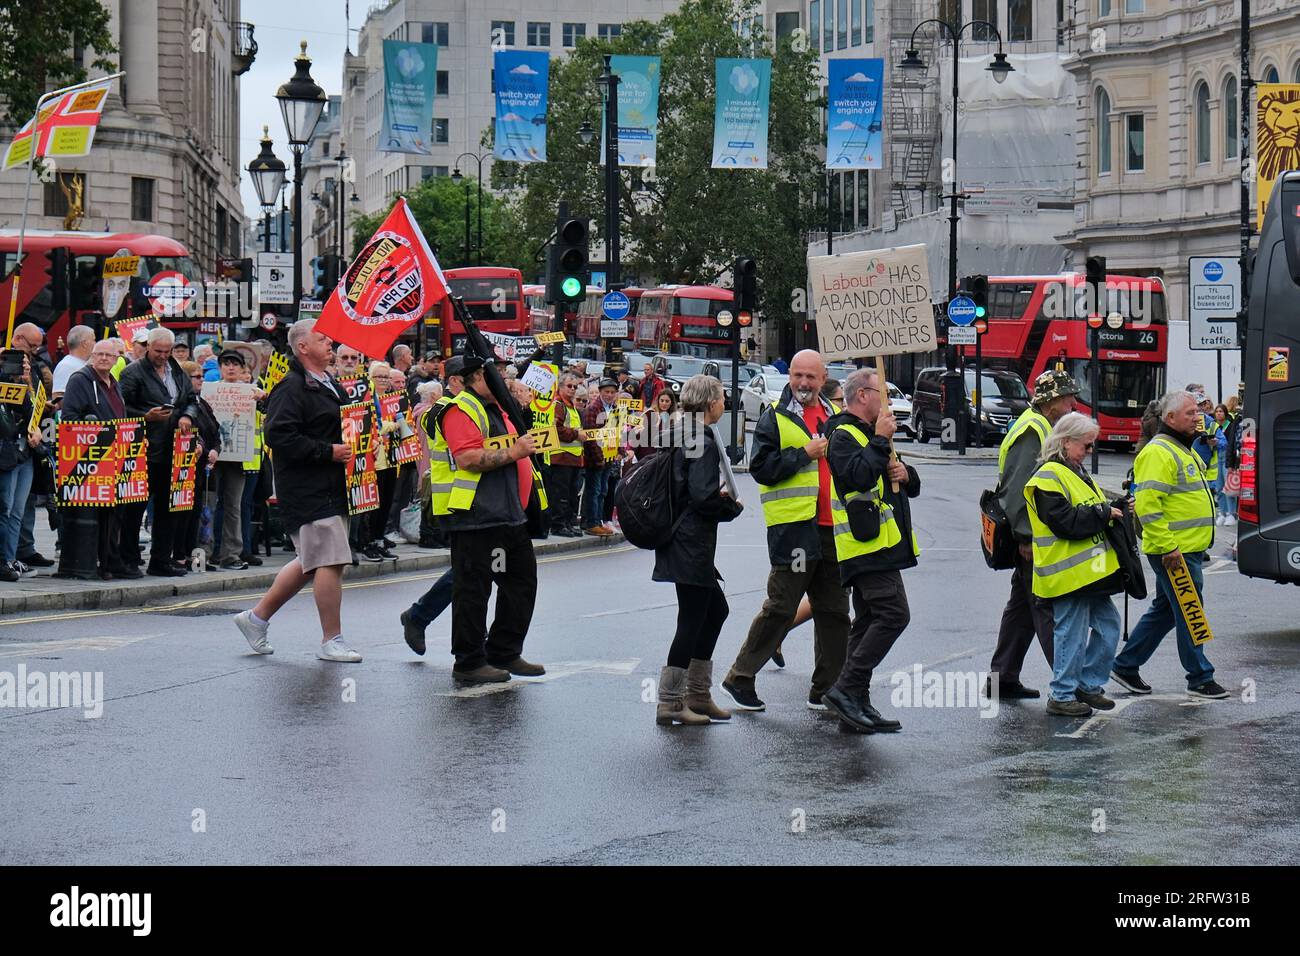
x=1078, y=523
x=142, y=390
x=209, y=430
x=688, y=558
x=769, y=463
x=302, y=427
x=857, y=468
x=86, y=398
x=496, y=500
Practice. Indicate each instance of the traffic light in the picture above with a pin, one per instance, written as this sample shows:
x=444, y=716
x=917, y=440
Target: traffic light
x=318, y=277
x=329, y=272
x=58, y=281
x=568, y=266
x=745, y=290
x=1095, y=271
x=246, y=271
x=978, y=288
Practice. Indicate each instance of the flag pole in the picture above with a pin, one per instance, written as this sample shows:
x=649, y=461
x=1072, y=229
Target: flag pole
x=27, y=192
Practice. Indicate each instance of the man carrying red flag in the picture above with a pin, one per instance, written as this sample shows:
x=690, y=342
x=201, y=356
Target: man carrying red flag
x=392, y=283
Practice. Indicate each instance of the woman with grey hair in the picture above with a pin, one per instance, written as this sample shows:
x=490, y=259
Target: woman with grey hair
x=687, y=561
x=1075, y=568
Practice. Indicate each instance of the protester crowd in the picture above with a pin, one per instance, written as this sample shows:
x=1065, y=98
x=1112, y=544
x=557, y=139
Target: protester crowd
x=452, y=464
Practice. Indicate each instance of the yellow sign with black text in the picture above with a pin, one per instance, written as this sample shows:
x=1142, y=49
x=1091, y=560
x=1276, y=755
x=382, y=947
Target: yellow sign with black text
x=548, y=338
x=547, y=439
x=1189, y=603
x=12, y=393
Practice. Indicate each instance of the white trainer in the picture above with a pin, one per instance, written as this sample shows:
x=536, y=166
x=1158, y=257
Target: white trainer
x=337, y=650
x=254, y=632
x=1229, y=520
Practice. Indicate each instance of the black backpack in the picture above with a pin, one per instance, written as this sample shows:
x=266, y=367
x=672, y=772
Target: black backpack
x=646, y=500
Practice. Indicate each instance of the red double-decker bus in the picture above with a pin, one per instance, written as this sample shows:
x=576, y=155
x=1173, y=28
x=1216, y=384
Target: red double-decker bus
x=583, y=325
x=1032, y=327
x=82, y=287
x=683, y=320
x=494, y=298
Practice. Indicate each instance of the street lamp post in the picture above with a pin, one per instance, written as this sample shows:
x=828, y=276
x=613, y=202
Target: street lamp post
x=301, y=103
x=456, y=178
x=913, y=65
x=267, y=172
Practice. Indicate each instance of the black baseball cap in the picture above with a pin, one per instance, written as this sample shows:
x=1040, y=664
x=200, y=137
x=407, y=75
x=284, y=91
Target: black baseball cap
x=231, y=357
x=607, y=383
x=461, y=365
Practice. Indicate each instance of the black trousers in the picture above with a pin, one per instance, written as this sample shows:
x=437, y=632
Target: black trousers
x=880, y=615
x=387, y=481
x=562, y=484
x=164, y=521
x=502, y=556
x=404, y=492
x=1022, y=618
x=701, y=612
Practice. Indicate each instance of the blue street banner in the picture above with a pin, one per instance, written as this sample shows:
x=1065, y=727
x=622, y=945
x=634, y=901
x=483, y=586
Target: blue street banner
x=521, y=77
x=638, y=110
x=854, y=139
x=410, y=80
x=740, y=113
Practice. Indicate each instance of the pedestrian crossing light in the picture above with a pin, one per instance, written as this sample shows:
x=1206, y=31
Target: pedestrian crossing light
x=977, y=288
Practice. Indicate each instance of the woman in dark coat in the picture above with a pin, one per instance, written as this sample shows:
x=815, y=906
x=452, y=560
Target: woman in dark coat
x=687, y=561
x=189, y=524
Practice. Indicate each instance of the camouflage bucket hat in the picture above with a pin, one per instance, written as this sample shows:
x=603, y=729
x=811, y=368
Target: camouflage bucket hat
x=1053, y=384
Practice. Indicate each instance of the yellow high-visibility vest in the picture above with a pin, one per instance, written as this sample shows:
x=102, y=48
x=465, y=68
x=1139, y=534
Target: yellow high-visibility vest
x=794, y=499
x=1063, y=566
x=571, y=420
x=1173, y=499
x=440, y=463
x=1029, y=419
x=847, y=546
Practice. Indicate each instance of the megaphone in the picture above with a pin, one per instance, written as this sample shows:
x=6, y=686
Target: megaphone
x=404, y=430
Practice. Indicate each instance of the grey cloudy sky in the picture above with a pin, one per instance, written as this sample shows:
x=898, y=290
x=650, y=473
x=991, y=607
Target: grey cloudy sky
x=279, y=27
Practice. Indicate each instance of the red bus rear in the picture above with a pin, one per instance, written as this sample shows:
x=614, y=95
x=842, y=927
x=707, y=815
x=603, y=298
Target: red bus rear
x=494, y=297
x=1032, y=328
x=87, y=252
x=683, y=320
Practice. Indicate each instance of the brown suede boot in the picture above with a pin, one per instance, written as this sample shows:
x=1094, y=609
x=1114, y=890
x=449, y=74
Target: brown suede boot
x=672, y=707
x=699, y=680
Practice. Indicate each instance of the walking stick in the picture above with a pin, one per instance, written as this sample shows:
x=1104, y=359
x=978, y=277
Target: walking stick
x=1126, y=617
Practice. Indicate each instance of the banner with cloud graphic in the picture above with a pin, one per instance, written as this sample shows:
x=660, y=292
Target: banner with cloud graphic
x=638, y=110
x=521, y=81
x=410, y=81
x=740, y=113
x=854, y=139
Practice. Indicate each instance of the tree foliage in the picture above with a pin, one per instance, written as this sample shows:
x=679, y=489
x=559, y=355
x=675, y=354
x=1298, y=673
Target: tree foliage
x=438, y=205
x=687, y=222
x=42, y=44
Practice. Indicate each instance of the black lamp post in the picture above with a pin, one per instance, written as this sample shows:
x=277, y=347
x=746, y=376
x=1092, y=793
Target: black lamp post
x=913, y=66
x=456, y=177
x=267, y=171
x=301, y=103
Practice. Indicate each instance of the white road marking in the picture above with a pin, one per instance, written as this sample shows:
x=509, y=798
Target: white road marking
x=933, y=664
x=1123, y=702
x=30, y=648
x=553, y=672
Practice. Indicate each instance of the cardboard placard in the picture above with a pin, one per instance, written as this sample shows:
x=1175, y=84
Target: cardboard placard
x=356, y=388
x=872, y=303
x=87, y=472
x=1189, y=602
x=362, y=479
x=185, y=460
x=131, y=455
x=539, y=378
x=631, y=404
x=548, y=439
x=548, y=338
x=38, y=409
x=276, y=369
x=404, y=444
x=12, y=393
x=121, y=266
x=234, y=405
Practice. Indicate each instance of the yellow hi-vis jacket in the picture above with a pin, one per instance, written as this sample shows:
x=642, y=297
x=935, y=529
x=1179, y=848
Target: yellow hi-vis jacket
x=794, y=499
x=847, y=546
x=440, y=463
x=1173, y=500
x=464, y=484
x=571, y=420
x=1063, y=566
x=1030, y=418
x=254, y=464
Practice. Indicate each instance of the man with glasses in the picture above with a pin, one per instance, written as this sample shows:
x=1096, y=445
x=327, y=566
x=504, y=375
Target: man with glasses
x=157, y=389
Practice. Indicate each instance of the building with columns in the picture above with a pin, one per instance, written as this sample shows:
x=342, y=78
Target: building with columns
x=166, y=155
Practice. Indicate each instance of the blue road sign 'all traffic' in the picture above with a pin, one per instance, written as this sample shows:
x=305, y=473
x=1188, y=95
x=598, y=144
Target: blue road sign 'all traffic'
x=961, y=310
x=615, y=305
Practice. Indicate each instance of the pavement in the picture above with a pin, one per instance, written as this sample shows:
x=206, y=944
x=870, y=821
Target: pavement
x=44, y=592
x=207, y=754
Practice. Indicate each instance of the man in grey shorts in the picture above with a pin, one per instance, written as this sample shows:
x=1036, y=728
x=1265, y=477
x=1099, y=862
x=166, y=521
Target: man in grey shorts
x=305, y=435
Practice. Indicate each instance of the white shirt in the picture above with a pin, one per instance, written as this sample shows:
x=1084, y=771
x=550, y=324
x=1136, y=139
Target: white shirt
x=64, y=371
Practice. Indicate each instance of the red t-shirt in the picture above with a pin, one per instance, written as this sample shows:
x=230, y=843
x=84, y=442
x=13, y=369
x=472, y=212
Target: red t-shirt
x=463, y=435
x=814, y=416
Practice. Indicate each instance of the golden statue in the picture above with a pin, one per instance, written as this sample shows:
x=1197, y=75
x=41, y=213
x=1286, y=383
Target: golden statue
x=72, y=191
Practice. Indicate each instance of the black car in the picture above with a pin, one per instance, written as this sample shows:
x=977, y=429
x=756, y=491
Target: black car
x=1003, y=397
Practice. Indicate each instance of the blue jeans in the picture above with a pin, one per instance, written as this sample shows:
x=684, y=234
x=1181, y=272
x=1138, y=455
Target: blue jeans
x=1227, y=504
x=14, y=487
x=1085, y=630
x=434, y=601
x=1160, y=617
x=593, y=499
x=246, y=511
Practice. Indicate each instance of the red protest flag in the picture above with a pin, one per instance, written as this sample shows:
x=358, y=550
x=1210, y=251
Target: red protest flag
x=393, y=282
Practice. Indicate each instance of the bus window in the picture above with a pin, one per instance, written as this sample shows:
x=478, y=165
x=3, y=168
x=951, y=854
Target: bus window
x=1125, y=386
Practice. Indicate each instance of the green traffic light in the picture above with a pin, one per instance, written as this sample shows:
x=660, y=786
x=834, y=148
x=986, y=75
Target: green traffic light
x=979, y=311
x=571, y=287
